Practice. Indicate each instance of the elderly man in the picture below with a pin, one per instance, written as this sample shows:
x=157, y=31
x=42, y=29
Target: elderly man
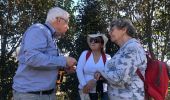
x=39, y=59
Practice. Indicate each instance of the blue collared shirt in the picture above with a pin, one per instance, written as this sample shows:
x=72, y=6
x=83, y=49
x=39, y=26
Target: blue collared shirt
x=38, y=60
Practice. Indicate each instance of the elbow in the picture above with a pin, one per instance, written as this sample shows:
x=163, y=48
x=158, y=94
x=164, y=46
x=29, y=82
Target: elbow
x=31, y=58
x=31, y=62
x=79, y=70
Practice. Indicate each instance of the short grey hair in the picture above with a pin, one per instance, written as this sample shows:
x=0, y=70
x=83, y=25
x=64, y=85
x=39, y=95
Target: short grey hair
x=124, y=23
x=55, y=12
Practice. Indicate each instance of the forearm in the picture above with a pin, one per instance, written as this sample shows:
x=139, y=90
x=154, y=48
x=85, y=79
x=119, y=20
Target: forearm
x=40, y=60
x=81, y=77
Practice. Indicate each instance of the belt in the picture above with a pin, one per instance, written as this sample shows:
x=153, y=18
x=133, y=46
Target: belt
x=45, y=92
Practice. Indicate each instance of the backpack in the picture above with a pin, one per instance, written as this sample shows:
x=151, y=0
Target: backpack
x=156, y=79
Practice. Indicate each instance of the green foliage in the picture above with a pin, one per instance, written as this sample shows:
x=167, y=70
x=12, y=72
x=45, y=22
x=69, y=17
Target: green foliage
x=70, y=86
x=92, y=17
x=150, y=17
x=16, y=17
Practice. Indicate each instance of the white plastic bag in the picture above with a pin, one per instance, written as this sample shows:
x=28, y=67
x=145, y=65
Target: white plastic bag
x=83, y=96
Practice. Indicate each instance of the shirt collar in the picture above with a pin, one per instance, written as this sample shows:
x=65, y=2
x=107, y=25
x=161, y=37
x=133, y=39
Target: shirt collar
x=52, y=30
x=130, y=41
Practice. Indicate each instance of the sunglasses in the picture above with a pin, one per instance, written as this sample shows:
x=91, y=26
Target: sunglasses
x=95, y=40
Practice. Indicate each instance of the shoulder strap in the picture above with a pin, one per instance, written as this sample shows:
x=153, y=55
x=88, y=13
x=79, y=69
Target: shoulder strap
x=48, y=29
x=88, y=55
x=140, y=75
x=103, y=56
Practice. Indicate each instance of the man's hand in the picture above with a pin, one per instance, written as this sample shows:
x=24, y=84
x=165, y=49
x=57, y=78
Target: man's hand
x=70, y=61
x=70, y=64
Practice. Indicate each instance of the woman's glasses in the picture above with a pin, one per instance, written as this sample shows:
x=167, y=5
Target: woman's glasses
x=95, y=40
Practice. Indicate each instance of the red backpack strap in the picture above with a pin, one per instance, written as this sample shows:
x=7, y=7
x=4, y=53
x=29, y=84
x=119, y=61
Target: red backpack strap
x=159, y=74
x=104, y=57
x=140, y=75
x=138, y=72
x=88, y=54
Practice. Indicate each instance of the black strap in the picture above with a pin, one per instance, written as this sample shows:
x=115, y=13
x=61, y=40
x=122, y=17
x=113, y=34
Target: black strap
x=49, y=29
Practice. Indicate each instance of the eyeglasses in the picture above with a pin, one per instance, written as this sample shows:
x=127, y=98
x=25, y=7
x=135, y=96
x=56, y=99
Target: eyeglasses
x=111, y=30
x=66, y=21
x=95, y=40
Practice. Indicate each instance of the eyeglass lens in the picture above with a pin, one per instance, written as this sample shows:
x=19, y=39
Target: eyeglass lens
x=95, y=40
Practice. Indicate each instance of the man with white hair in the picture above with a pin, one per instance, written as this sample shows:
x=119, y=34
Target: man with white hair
x=39, y=58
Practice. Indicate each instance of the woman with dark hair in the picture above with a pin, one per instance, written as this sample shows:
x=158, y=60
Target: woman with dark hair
x=120, y=71
x=89, y=62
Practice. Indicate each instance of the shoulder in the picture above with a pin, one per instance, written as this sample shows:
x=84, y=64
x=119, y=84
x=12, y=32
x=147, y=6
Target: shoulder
x=134, y=45
x=108, y=56
x=84, y=52
x=33, y=30
x=38, y=27
x=136, y=48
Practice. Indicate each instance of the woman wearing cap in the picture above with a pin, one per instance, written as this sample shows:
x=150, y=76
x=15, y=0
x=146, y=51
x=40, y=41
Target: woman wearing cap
x=120, y=71
x=91, y=61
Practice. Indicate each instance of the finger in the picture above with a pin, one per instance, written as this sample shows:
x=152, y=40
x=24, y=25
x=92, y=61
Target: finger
x=74, y=67
x=86, y=90
x=95, y=75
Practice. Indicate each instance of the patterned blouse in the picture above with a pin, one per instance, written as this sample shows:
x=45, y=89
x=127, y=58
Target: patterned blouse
x=120, y=71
